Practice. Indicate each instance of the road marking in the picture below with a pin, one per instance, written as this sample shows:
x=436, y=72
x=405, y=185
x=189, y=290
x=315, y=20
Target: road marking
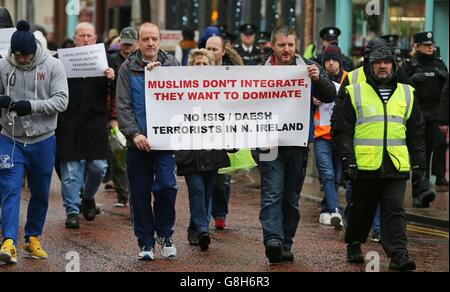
x=428, y=231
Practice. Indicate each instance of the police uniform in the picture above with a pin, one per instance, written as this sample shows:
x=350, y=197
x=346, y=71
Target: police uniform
x=263, y=38
x=428, y=75
x=332, y=34
x=249, y=57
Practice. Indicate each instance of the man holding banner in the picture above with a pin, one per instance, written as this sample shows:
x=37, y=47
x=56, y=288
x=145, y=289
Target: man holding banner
x=82, y=136
x=282, y=177
x=148, y=170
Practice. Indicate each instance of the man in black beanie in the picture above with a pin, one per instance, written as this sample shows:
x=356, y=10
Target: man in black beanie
x=33, y=90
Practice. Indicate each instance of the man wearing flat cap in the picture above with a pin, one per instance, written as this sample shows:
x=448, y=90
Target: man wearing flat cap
x=330, y=36
x=247, y=48
x=428, y=75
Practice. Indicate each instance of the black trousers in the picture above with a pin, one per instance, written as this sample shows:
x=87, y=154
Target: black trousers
x=366, y=195
x=436, y=144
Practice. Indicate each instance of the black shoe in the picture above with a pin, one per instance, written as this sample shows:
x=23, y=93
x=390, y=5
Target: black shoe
x=73, y=221
x=193, y=240
x=424, y=199
x=89, y=209
x=354, y=253
x=402, y=262
x=274, y=251
x=287, y=255
x=441, y=182
x=204, y=241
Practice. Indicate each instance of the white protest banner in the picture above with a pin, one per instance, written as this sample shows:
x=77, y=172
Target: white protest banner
x=238, y=107
x=86, y=61
x=5, y=40
x=326, y=109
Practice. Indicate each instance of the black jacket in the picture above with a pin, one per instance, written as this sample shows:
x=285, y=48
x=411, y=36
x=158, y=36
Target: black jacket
x=443, y=114
x=82, y=130
x=344, y=132
x=191, y=161
x=429, y=87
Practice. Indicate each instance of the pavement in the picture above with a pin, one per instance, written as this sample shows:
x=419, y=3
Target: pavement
x=109, y=245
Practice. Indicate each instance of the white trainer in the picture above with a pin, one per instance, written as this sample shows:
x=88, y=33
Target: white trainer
x=325, y=219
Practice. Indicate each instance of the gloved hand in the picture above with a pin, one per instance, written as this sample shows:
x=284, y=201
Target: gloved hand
x=22, y=108
x=418, y=78
x=350, y=169
x=5, y=101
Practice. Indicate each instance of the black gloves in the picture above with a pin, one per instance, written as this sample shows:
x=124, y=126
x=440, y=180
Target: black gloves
x=5, y=101
x=22, y=108
x=350, y=169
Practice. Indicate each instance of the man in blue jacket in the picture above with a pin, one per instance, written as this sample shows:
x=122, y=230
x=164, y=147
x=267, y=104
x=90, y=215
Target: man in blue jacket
x=147, y=170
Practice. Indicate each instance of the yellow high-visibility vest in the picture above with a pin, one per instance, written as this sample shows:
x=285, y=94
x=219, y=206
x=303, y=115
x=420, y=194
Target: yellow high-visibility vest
x=357, y=76
x=380, y=125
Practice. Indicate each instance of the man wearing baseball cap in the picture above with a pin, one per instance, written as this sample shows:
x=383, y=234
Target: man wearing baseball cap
x=128, y=39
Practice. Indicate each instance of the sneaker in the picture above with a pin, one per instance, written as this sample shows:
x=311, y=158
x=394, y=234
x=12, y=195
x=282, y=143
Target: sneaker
x=402, y=262
x=274, y=251
x=168, y=249
x=73, y=221
x=287, y=255
x=220, y=224
x=34, y=249
x=89, y=209
x=336, y=220
x=147, y=254
x=204, y=241
x=325, y=219
x=376, y=237
x=354, y=253
x=8, y=252
x=121, y=203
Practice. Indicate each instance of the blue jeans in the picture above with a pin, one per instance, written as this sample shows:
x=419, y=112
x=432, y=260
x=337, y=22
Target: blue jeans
x=330, y=174
x=200, y=187
x=86, y=175
x=38, y=159
x=221, y=197
x=281, y=185
x=152, y=172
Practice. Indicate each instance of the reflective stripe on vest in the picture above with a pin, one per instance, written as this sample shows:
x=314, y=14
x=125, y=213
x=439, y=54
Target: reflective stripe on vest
x=357, y=76
x=370, y=133
x=324, y=131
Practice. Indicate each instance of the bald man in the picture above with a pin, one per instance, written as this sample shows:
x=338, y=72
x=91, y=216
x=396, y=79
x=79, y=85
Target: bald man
x=147, y=170
x=82, y=137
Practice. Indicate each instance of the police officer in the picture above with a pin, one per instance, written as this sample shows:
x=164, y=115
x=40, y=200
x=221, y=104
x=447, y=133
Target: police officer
x=330, y=36
x=428, y=74
x=392, y=40
x=264, y=45
x=380, y=139
x=247, y=48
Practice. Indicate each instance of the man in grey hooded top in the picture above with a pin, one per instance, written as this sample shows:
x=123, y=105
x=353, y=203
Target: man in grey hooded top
x=33, y=90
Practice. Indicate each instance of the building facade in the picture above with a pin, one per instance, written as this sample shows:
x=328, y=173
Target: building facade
x=359, y=20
